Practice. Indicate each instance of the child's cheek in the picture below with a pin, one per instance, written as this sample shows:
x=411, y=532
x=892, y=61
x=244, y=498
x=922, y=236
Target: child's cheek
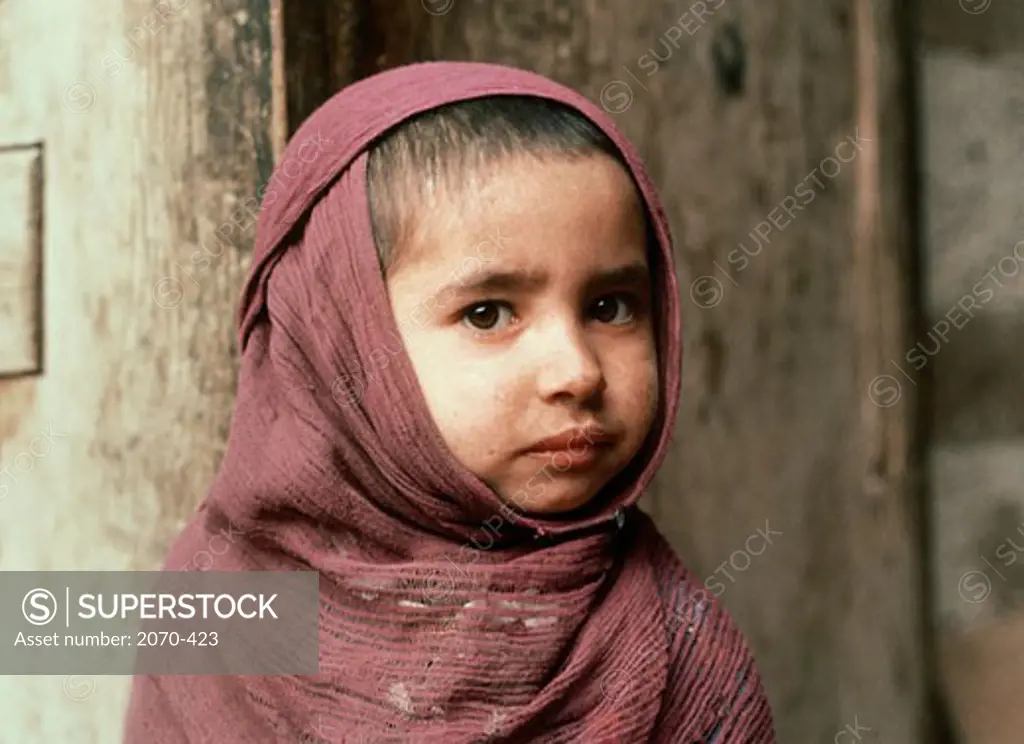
x=478, y=406
x=647, y=394
x=634, y=378
x=635, y=369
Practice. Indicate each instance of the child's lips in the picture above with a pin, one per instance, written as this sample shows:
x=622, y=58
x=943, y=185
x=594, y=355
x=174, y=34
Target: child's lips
x=565, y=460
x=573, y=448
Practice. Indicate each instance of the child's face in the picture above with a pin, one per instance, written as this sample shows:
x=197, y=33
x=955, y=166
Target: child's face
x=524, y=301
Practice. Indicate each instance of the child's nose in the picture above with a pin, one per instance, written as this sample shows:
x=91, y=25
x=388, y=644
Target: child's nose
x=569, y=368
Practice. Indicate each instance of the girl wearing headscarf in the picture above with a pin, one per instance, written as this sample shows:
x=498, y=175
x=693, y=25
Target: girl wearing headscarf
x=460, y=369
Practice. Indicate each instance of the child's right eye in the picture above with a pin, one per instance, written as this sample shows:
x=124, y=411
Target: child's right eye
x=485, y=316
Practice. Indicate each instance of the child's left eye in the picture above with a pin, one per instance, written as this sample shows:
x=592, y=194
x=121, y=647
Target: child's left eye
x=613, y=309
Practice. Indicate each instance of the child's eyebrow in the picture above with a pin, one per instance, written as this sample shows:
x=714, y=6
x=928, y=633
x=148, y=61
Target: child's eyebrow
x=635, y=274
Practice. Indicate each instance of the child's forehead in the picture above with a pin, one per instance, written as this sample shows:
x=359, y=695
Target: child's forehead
x=542, y=223
x=534, y=253
x=530, y=207
x=533, y=270
x=527, y=178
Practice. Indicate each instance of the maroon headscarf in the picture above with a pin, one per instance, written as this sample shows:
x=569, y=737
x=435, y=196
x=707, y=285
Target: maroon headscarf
x=446, y=614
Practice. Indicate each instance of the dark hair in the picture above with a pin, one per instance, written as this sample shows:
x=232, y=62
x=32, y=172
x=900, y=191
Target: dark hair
x=440, y=147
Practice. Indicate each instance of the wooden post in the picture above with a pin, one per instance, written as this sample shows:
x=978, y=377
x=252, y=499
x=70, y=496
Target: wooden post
x=151, y=118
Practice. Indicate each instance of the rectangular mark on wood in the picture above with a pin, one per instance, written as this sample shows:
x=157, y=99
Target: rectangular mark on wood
x=21, y=248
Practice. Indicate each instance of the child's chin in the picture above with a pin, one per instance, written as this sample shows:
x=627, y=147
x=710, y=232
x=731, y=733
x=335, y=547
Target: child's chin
x=564, y=501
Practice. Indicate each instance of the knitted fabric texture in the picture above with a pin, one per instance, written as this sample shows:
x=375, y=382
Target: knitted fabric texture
x=446, y=615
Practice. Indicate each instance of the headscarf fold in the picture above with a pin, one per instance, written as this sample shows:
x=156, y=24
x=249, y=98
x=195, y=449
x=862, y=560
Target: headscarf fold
x=446, y=614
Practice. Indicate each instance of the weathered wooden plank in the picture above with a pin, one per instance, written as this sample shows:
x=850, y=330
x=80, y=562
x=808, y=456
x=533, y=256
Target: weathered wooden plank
x=320, y=48
x=889, y=619
x=21, y=321
x=155, y=115
x=278, y=78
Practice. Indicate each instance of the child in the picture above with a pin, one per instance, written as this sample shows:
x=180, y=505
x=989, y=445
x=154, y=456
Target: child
x=460, y=369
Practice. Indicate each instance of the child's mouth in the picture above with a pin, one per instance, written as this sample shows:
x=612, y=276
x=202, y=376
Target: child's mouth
x=565, y=460
x=573, y=449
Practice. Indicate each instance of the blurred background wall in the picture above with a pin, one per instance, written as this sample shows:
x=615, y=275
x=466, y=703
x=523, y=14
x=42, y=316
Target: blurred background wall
x=842, y=177
x=972, y=134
